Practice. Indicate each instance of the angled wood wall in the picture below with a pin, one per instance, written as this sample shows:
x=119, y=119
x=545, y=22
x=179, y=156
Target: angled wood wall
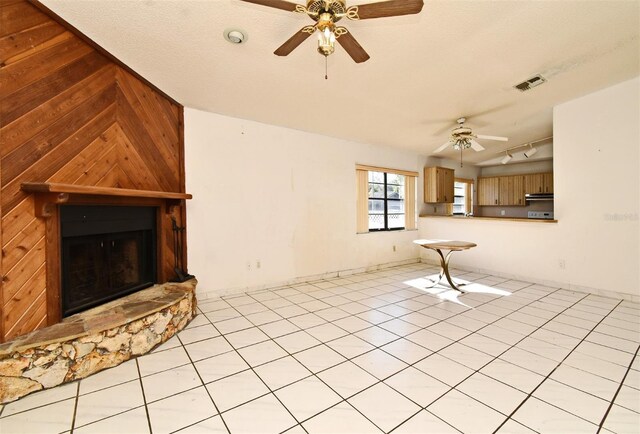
x=69, y=114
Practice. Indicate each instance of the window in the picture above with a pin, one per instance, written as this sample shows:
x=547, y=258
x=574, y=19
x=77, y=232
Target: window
x=386, y=199
x=463, y=197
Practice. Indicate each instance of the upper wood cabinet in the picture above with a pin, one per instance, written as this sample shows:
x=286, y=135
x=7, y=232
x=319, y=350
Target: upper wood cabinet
x=547, y=182
x=438, y=185
x=511, y=190
x=488, y=191
x=538, y=183
x=501, y=190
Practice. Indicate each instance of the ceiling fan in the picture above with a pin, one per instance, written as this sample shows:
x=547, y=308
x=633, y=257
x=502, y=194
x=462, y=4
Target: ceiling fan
x=463, y=138
x=326, y=13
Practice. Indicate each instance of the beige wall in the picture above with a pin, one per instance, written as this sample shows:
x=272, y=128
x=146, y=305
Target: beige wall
x=518, y=168
x=595, y=244
x=281, y=197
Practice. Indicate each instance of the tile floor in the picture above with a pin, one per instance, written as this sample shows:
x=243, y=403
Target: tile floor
x=370, y=353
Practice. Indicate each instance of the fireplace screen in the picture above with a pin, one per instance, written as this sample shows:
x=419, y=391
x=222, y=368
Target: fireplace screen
x=107, y=252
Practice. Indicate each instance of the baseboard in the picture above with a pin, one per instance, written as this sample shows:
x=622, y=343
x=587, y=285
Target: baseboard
x=304, y=279
x=564, y=285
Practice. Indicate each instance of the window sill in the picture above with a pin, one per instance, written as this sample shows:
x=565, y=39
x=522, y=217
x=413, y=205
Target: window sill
x=387, y=232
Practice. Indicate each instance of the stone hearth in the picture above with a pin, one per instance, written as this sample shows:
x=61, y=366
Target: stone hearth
x=91, y=341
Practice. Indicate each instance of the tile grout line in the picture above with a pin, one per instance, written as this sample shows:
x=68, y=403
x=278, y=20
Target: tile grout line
x=530, y=394
x=260, y=378
x=206, y=390
x=615, y=395
x=110, y=416
x=144, y=396
x=75, y=408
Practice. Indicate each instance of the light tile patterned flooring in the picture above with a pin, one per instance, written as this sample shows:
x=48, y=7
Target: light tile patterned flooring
x=369, y=353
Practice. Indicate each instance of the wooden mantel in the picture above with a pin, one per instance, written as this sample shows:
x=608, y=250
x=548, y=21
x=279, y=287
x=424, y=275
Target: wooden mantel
x=49, y=194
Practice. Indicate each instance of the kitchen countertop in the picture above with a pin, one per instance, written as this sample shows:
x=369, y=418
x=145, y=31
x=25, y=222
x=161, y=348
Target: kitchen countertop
x=511, y=219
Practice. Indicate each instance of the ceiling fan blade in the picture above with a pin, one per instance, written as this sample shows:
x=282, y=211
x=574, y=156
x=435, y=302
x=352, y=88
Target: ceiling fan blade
x=391, y=8
x=292, y=43
x=476, y=146
x=278, y=4
x=352, y=47
x=498, y=138
x=442, y=148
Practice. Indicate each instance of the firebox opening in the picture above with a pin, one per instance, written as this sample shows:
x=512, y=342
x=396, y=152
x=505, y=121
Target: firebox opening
x=107, y=252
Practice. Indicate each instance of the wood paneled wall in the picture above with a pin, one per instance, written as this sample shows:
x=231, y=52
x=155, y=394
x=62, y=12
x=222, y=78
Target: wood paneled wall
x=70, y=113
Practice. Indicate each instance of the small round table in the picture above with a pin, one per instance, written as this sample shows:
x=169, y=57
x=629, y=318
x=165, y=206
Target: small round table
x=452, y=246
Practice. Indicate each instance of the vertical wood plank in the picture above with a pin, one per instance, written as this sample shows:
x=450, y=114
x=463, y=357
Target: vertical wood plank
x=410, y=202
x=1, y=268
x=362, y=201
x=54, y=278
x=181, y=167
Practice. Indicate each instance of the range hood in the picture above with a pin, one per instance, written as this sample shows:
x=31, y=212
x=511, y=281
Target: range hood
x=538, y=196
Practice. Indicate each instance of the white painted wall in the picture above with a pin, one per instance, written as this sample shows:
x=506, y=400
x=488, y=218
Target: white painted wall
x=282, y=197
x=597, y=182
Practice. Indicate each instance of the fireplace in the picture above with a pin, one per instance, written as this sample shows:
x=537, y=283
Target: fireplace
x=106, y=252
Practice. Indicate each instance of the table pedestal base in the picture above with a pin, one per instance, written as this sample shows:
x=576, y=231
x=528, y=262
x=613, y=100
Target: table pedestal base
x=444, y=271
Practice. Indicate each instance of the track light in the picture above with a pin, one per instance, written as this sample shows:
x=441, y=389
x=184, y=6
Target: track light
x=530, y=152
x=506, y=158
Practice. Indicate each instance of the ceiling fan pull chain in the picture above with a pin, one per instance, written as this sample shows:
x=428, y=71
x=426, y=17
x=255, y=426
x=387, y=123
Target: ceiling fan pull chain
x=461, y=156
x=326, y=67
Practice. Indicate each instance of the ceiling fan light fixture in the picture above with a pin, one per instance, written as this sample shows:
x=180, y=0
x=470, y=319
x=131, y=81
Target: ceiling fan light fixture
x=461, y=143
x=326, y=41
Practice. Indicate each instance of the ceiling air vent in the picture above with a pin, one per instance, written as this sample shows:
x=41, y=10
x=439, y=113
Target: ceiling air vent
x=534, y=81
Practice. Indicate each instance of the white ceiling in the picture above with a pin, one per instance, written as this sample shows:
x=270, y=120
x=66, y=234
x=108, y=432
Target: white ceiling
x=456, y=58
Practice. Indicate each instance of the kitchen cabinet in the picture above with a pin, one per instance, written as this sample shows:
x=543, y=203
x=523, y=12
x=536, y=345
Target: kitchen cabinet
x=488, y=191
x=547, y=182
x=438, y=185
x=538, y=183
x=511, y=190
x=501, y=190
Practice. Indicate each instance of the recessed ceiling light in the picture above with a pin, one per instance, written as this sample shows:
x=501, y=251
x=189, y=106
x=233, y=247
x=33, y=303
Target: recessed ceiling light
x=235, y=36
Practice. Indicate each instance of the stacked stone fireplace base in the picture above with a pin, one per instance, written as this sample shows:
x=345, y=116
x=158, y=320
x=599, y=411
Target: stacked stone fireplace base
x=91, y=341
